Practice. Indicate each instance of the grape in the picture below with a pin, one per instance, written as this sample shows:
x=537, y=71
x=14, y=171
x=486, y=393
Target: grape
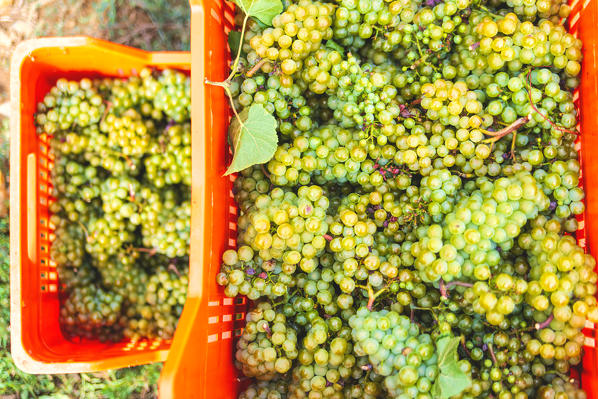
x=274, y=389
x=400, y=353
x=156, y=311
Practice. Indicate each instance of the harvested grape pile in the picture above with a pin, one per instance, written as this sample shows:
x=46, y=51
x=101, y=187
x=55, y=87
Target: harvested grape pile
x=121, y=202
x=407, y=223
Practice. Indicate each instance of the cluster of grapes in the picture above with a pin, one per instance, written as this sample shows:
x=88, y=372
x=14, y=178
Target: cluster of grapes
x=295, y=34
x=396, y=350
x=173, y=96
x=561, y=183
x=331, y=154
x=286, y=226
x=166, y=222
x=468, y=242
x=120, y=205
x=69, y=105
x=265, y=390
x=324, y=362
x=286, y=102
x=507, y=40
x=562, y=287
x=92, y=312
x=155, y=308
x=268, y=345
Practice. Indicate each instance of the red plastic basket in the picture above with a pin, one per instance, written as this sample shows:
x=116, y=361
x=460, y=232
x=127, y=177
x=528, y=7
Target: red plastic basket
x=200, y=362
x=38, y=345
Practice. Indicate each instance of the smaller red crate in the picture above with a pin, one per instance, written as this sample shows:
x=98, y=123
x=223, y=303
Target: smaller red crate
x=38, y=345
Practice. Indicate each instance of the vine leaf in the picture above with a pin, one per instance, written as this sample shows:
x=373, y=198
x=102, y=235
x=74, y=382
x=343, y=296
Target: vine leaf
x=264, y=10
x=234, y=41
x=253, y=138
x=451, y=380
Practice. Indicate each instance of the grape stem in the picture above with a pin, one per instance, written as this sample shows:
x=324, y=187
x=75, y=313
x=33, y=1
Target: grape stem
x=107, y=107
x=173, y=267
x=512, y=128
x=235, y=66
x=150, y=251
x=373, y=296
x=256, y=67
x=489, y=12
x=492, y=354
x=265, y=171
x=226, y=83
x=85, y=231
x=464, y=346
x=545, y=323
x=444, y=287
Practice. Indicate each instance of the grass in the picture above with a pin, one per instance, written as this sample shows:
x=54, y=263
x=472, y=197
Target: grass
x=159, y=24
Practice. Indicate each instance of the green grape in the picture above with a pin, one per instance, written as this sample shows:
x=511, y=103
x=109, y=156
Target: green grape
x=267, y=346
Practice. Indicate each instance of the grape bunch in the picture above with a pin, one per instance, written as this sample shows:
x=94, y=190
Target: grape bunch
x=396, y=350
x=92, y=312
x=561, y=183
x=480, y=225
x=156, y=311
x=243, y=273
x=327, y=154
x=69, y=105
x=119, y=205
x=537, y=45
x=68, y=248
x=324, y=362
x=286, y=102
x=295, y=33
x=170, y=162
x=165, y=220
x=287, y=227
x=267, y=346
x=561, y=290
x=274, y=389
x=129, y=135
x=559, y=387
x=173, y=94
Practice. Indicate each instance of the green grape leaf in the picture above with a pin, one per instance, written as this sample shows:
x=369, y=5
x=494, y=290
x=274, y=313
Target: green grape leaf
x=234, y=42
x=253, y=138
x=451, y=380
x=264, y=10
x=446, y=347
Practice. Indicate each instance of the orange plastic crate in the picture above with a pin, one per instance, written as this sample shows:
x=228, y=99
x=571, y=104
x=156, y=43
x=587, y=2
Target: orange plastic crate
x=200, y=362
x=38, y=345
